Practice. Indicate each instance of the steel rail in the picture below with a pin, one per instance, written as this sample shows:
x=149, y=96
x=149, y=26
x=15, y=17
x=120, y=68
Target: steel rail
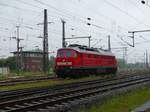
x=57, y=98
x=8, y=95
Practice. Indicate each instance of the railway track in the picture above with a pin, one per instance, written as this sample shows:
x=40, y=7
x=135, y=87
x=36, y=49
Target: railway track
x=23, y=80
x=60, y=99
x=8, y=95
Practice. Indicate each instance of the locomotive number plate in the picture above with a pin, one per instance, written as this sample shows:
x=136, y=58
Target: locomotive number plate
x=64, y=63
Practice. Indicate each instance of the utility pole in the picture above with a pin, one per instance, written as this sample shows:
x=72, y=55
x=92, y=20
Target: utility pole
x=45, y=43
x=132, y=32
x=18, y=39
x=149, y=60
x=125, y=55
x=146, y=59
x=63, y=33
x=89, y=41
x=21, y=58
x=109, y=46
x=18, y=58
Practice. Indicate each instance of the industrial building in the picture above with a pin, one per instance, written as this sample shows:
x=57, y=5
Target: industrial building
x=29, y=60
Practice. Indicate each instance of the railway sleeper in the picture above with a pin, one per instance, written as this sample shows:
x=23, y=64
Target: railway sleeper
x=43, y=101
x=2, y=110
x=66, y=105
x=51, y=109
x=28, y=104
x=42, y=110
x=60, y=107
x=10, y=108
x=73, y=102
x=34, y=102
x=19, y=106
x=48, y=99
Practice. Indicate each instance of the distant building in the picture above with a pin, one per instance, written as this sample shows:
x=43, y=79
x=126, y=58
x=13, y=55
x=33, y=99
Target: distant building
x=30, y=60
x=4, y=70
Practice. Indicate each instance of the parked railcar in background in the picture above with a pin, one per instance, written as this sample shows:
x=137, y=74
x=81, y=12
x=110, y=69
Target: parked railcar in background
x=76, y=61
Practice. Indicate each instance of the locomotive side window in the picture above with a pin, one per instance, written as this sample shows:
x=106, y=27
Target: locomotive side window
x=95, y=56
x=80, y=54
x=74, y=54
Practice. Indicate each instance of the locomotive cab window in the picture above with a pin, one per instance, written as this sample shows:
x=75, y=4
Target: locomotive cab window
x=60, y=54
x=68, y=53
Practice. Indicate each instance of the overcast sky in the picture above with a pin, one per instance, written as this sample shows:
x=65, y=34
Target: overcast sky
x=112, y=17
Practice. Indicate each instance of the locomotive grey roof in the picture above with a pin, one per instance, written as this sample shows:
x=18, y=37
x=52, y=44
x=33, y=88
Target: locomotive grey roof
x=85, y=49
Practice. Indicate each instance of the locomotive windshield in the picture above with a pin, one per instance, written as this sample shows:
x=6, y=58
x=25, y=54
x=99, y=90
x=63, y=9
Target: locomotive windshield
x=66, y=53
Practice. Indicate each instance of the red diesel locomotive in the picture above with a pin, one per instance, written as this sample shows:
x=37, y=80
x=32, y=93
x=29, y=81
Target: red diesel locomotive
x=76, y=60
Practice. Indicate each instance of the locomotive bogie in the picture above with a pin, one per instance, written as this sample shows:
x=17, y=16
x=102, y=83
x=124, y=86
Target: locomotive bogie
x=80, y=72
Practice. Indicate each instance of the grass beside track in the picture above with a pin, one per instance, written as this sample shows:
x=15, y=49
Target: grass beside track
x=122, y=103
x=50, y=82
x=14, y=75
